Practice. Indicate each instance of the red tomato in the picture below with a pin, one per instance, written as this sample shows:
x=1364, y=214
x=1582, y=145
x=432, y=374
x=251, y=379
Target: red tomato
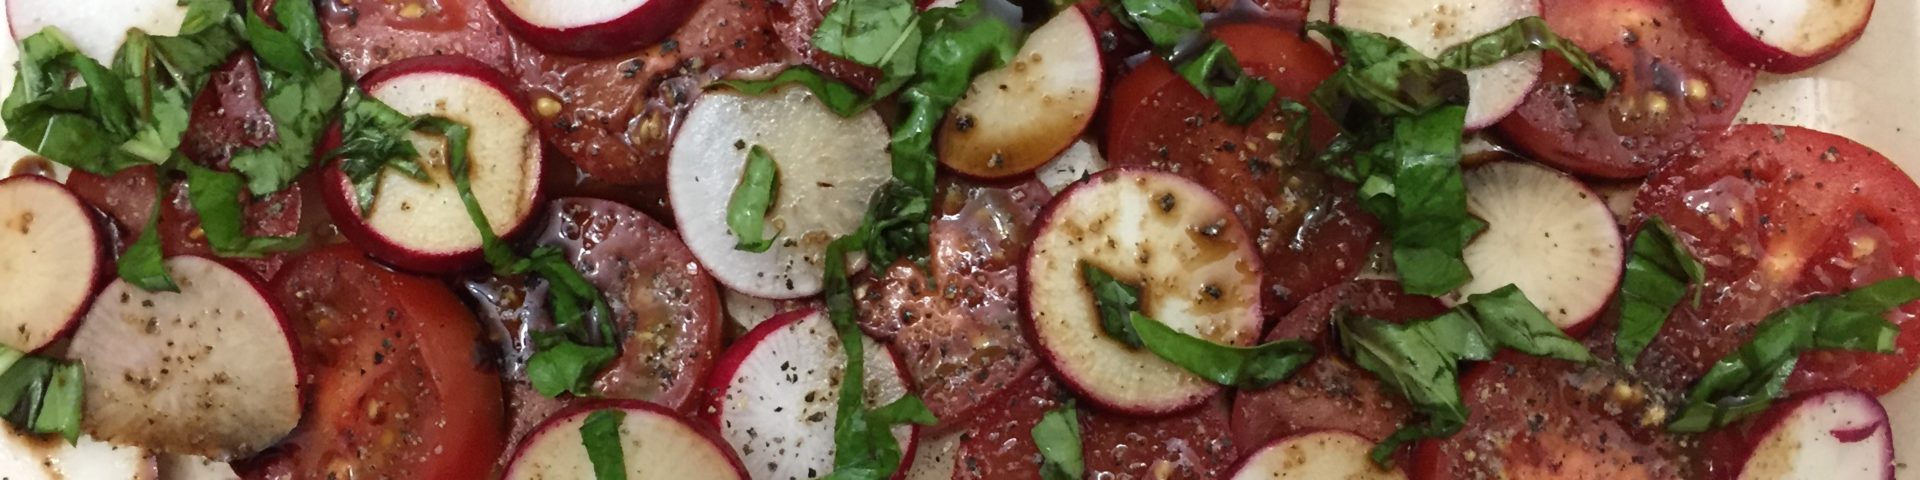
x=999, y=444
x=127, y=197
x=1193, y=445
x=227, y=114
x=1538, y=418
x=1673, y=86
x=1310, y=231
x=1779, y=214
x=1331, y=392
x=400, y=389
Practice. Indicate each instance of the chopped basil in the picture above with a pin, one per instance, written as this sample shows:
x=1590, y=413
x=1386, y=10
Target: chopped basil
x=1529, y=34
x=216, y=197
x=842, y=99
x=600, y=434
x=373, y=139
x=559, y=365
x=143, y=264
x=1659, y=272
x=864, y=447
x=1746, y=381
x=1166, y=23
x=868, y=32
x=747, y=210
x=1170, y=24
x=1058, y=437
x=1420, y=359
x=1116, y=302
x=41, y=395
x=60, y=405
x=1241, y=367
x=303, y=90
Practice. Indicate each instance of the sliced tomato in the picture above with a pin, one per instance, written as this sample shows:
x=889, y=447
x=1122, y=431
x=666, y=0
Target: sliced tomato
x=1331, y=392
x=399, y=389
x=1538, y=418
x=1673, y=86
x=127, y=197
x=1310, y=231
x=1778, y=214
x=227, y=114
x=999, y=444
x=1194, y=445
x=958, y=324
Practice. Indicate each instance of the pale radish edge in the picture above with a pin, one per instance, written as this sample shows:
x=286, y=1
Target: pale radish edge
x=1324, y=454
x=656, y=444
x=47, y=235
x=1548, y=234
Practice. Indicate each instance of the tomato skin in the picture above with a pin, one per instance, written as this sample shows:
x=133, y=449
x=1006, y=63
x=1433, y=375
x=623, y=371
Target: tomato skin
x=1193, y=445
x=127, y=198
x=378, y=342
x=1673, y=86
x=999, y=444
x=1300, y=218
x=227, y=114
x=1777, y=215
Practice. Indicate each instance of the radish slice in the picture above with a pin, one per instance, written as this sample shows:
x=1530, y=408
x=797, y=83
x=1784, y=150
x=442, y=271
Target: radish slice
x=1323, y=454
x=206, y=371
x=829, y=168
x=1433, y=26
x=935, y=457
x=592, y=27
x=1078, y=162
x=1195, y=264
x=1017, y=117
x=654, y=443
x=188, y=467
x=423, y=226
x=96, y=27
x=26, y=457
x=52, y=259
x=1546, y=233
x=1782, y=36
x=1831, y=434
x=777, y=393
x=750, y=311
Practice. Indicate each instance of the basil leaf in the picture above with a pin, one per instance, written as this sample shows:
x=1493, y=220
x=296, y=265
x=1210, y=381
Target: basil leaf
x=60, y=405
x=77, y=126
x=747, y=210
x=864, y=447
x=1413, y=183
x=842, y=99
x=1116, y=302
x=600, y=434
x=867, y=32
x=1241, y=367
x=374, y=139
x=143, y=264
x=216, y=197
x=1165, y=22
x=1529, y=34
x=22, y=387
x=1217, y=75
x=1058, y=437
x=1659, y=272
x=1746, y=381
x=303, y=90
x=1510, y=320
x=566, y=367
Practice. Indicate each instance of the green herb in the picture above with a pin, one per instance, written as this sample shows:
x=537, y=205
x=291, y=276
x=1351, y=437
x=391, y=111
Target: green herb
x=562, y=366
x=600, y=434
x=747, y=210
x=303, y=90
x=374, y=139
x=1746, y=381
x=1116, y=302
x=1058, y=437
x=60, y=405
x=864, y=447
x=143, y=264
x=40, y=395
x=1659, y=272
x=1165, y=22
x=1420, y=359
x=1241, y=367
x=1529, y=34
x=842, y=99
x=1170, y=23
x=216, y=197
x=868, y=32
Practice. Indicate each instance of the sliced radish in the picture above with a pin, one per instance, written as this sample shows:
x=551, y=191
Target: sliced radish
x=1546, y=233
x=1782, y=36
x=592, y=27
x=208, y=371
x=96, y=27
x=52, y=259
x=935, y=457
x=777, y=391
x=189, y=467
x=1830, y=434
x=1432, y=26
x=654, y=443
x=422, y=225
x=749, y=311
x=1322, y=454
x=829, y=168
x=27, y=457
x=1079, y=161
x=1194, y=262
x=1017, y=117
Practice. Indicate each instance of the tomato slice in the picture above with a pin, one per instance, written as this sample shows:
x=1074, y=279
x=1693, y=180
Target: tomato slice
x=958, y=324
x=999, y=444
x=1540, y=418
x=1331, y=392
x=398, y=390
x=1673, y=86
x=127, y=197
x=1310, y=231
x=227, y=114
x=1194, y=445
x=1778, y=214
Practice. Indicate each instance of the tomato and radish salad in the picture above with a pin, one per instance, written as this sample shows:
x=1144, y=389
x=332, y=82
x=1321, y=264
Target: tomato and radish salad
x=873, y=240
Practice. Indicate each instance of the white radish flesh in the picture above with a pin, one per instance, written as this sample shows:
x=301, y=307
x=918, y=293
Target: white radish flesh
x=654, y=445
x=934, y=458
x=1783, y=36
x=1433, y=26
x=749, y=311
x=778, y=392
x=1547, y=234
x=1017, y=117
x=1078, y=162
x=1836, y=434
x=52, y=259
x=96, y=27
x=189, y=467
x=1327, y=454
x=26, y=457
x=208, y=371
x=829, y=168
x=1193, y=261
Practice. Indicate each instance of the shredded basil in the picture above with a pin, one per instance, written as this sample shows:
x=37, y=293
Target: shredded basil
x=143, y=264
x=842, y=99
x=868, y=32
x=303, y=90
x=600, y=434
x=1659, y=272
x=1529, y=34
x=864, y=447
x=41, y=395
x=1166, y=23
x=747, y=210
x=60, y=406
x=1058, y=437
x=1247, y=367
x=216, y=197
x=1116, y=302
x=1746, y=381
x=373, y=139
x=1169, y=24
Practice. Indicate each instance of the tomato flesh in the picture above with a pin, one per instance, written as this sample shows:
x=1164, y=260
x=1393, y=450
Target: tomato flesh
x=999, y=444
x=1194, y=445
x=127, y=198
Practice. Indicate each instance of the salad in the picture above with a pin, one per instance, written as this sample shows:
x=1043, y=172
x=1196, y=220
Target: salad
x=972, y=239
